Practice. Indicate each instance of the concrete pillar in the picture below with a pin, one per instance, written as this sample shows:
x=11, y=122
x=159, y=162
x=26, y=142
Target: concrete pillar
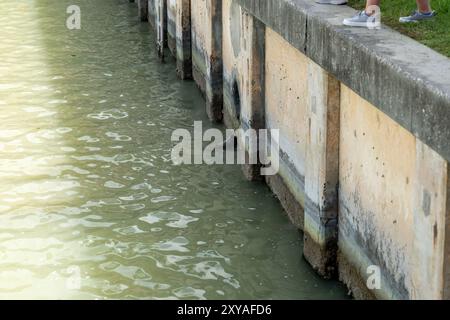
x=243, y=57
x=322, y=171
x=429, y=224
x=151, y=5
x=142, y=10
x=256, y=80
x=172, y=26
x=183, y=39
x=206, y=19
x=161, y=27
x=286, y=100
x=214, y=87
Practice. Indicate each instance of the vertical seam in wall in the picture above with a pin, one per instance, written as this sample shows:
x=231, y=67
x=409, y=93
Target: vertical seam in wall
x=305, y=45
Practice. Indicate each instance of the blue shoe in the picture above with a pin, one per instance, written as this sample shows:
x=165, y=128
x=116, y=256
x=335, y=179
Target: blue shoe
x=417, y=16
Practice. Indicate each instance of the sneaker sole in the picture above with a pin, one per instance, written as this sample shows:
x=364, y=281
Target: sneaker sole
x=360, y=24
x=413, y=21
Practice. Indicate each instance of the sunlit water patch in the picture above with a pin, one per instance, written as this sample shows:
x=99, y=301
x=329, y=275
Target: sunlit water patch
x=90, y=203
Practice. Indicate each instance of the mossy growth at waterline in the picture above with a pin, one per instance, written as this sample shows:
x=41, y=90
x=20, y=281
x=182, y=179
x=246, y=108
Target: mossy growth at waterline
x=434, y=34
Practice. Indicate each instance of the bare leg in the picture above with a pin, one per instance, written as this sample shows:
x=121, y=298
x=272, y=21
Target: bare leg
x=372, y=3
x=375, y=3
x=423, y=6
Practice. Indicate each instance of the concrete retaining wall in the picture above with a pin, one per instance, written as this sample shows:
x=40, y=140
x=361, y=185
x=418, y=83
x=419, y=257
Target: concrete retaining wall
x=364, y=133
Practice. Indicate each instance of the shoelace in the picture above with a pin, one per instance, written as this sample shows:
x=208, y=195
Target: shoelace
x=427, y=14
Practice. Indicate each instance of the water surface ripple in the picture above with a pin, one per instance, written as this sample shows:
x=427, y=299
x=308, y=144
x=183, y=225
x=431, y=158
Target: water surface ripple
x=90, y=204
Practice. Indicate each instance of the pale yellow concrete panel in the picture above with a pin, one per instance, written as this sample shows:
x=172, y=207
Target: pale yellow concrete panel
x=376, y=169
x=429, y=223
x=286, y=96
x=316, y=138
x=322, y=142
x=392, y=196
x=377, y=165
x=322, y=150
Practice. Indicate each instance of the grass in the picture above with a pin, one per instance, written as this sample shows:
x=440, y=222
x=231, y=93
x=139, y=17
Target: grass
x=434, y=34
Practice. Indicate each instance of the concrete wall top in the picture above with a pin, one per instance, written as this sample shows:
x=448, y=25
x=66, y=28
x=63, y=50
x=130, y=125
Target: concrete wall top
x=403, y=78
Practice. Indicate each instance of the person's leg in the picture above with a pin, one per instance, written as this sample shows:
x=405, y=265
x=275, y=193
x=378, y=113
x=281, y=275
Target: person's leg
x=363, y=18
x=423, y=12
x=423, y=6
x=369, y=6
x=372, y=3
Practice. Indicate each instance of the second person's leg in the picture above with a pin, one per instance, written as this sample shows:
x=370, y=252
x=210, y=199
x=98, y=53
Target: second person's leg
x=423, y=12
x=423, y=6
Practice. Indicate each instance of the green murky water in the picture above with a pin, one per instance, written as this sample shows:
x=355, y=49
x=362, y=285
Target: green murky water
x=90, y=203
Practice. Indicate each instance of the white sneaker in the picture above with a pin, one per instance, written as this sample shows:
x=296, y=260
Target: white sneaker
x=336, y=2
x=361, y=19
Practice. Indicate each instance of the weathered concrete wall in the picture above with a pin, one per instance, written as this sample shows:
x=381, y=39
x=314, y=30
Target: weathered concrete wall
x=206, y=24
x=302, y=101
x=392, y=203
x=363, y=133
x=322, y=170
x=286, y=110
x=376, y=65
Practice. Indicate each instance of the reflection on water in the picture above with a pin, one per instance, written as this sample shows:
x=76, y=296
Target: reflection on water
x=90, y=204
